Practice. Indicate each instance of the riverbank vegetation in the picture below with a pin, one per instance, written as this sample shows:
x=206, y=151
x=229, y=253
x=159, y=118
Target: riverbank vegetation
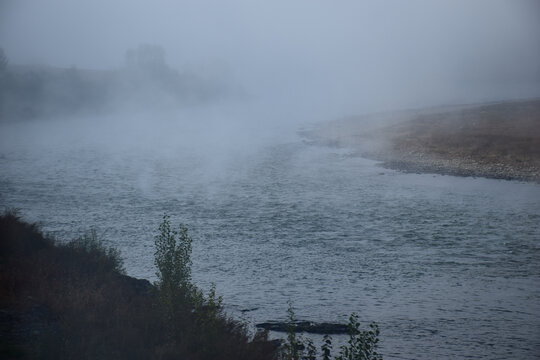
x=73, y=301
x=361, y=344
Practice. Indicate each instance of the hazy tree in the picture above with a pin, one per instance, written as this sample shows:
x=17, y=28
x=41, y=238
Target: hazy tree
x=3, y=61
x=146, y=56
x=3, y=82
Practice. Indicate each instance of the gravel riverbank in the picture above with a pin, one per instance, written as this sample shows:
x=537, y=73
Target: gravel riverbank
x=496, y=140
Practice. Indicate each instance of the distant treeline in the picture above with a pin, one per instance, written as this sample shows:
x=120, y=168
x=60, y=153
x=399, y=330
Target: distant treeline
x=35, y=91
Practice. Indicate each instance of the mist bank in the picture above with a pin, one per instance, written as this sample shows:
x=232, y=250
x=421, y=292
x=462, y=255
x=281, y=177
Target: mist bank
x=498, y=140
x=145, y=81
x=307, y=59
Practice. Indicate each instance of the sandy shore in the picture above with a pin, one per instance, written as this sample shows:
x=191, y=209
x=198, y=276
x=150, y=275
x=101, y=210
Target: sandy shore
x=496, y=140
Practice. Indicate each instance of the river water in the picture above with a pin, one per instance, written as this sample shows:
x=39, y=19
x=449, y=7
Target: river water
x=449, y=267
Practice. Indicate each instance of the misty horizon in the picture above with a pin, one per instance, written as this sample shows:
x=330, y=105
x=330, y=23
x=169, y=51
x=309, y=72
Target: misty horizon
x=312, y=58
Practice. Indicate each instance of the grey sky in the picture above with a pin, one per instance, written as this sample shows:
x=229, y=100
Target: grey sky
x=349, y=55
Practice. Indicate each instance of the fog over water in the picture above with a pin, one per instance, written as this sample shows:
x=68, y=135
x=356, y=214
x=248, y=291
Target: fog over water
x=449, y=267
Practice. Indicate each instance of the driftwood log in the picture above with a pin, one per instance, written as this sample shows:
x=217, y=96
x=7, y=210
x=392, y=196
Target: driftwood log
x=305, y=326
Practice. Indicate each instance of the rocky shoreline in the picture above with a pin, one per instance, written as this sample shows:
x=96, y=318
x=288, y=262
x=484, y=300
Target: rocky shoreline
x=498, y=140
x=466, y=167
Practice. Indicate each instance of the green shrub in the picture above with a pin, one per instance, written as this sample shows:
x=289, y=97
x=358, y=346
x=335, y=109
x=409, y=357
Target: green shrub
x=292, y=348
x=180, y=297
x=173, y=258
x=326, y=347
x=362, y=344
x=194, y=322
x=173, y=262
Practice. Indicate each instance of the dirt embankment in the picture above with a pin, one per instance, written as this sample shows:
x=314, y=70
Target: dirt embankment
x=497, y=140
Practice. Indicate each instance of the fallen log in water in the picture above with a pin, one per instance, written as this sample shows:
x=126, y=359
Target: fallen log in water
x=305, y=326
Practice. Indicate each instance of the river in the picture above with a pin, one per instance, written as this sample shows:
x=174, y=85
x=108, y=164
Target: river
x=449, y=267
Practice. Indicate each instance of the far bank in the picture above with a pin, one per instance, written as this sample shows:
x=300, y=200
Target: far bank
x=494, y=140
